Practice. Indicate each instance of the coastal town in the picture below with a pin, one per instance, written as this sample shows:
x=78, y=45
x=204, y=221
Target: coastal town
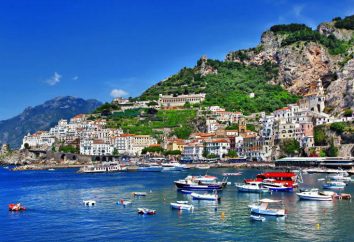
x=228, y=135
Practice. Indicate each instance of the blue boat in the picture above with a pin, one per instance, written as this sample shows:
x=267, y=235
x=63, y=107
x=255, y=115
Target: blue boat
x=185, y=191
x=150, y=168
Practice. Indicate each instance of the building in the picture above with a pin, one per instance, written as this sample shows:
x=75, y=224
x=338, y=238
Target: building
x=218, y=147
x=180, y=100
x=175, y=144
x=193, y=151
x=40, y=139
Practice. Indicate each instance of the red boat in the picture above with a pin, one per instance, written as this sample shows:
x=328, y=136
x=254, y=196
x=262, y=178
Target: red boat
x=16, y=207
x=288, y=179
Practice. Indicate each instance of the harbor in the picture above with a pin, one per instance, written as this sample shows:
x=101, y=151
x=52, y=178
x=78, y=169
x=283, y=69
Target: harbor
x=54, y=199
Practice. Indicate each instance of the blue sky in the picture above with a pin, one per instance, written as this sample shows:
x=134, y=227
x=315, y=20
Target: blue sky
x=96, y=48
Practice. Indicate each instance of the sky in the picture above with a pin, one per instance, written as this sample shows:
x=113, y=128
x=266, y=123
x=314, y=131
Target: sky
x=108, y=48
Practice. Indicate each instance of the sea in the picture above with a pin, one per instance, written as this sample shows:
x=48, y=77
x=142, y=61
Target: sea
x=55, y=210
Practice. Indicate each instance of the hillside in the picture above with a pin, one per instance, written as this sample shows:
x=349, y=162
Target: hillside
x=289, y=58
x=42, y=117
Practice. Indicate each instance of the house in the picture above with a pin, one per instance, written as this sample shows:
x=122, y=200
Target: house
x=180, y=100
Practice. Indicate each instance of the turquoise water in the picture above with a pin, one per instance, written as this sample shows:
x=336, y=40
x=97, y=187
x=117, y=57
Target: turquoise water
x=56, y=213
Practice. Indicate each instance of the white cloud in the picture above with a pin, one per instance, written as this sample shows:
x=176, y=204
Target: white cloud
x=75, y=78
x=54, y=79
x=118, y=93
x=297, y=10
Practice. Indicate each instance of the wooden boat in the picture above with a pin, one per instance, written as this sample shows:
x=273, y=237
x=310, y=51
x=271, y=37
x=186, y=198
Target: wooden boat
x=180, y=206
x=251, y=187
x=16, y=207
x=343, y=196
x=89, y=202
x=257, y=218
x=146, y=211
x=315, y=195
x=205, y=196
x=263, y=208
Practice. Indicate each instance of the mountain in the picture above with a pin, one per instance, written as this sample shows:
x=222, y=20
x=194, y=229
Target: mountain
x=42, y=117
x=289, y=60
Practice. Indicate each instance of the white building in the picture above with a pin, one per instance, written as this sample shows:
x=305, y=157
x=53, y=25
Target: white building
x=180, y=100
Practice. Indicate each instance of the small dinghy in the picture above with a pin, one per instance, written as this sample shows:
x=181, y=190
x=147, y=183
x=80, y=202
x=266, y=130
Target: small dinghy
x=205, y=196
x=182, y=206
x=257, y=218
x=146, y=211
x=89, y=202
x=124, y=202
x=16, y=207
x=343, y=196
x=186, y=192
x=182, y=202
x=139, y=194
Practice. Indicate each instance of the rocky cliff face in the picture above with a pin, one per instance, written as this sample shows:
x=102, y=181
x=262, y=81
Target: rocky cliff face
x=302, y=63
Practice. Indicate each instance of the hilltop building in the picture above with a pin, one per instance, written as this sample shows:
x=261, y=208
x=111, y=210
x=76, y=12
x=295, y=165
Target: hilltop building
x=180, y=100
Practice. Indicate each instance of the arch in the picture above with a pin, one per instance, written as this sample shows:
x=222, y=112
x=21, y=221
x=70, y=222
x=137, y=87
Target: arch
x=74, y=157
x=97, y=158
x=63, y=156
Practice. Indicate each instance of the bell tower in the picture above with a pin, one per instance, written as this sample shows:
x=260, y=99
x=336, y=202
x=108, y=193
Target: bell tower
x=242, y=125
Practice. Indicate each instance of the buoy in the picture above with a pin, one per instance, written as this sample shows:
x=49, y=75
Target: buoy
x=318, y=226
x=215, y=209
x=222, y=215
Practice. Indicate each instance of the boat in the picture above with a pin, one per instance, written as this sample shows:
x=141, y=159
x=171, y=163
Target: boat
x=16, y=207
x=150, y=168
x=203, y=167
x=257, y=218
x=273, y=186
x=51, y=169
x=182, y=202
x=232, y=174
x=205, y=196
x=102, y=168
x=315, y=195
x=124, y=202
x=173, y=166
x=251, y=187
x=288, y=179
x=324, y=170
x=89, y=202
x=139, y=194
x=181, y=206
x=262, y=208
x=343, y=196
x=334, y=185
x=200, y=183
x=186, y=191
x=146, y=211
x=340, y=177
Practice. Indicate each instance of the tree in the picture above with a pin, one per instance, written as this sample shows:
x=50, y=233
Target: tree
x=320, y=135
x=332, y=151
x=68, y=149
x=152, y=149
x=187, y=105
x=152, y=103
x=205, y=152
x=232, y=153
x=290, y=147
x=115, y=152
x=348, y=112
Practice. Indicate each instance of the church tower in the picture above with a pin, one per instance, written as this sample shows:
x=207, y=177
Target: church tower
x=242, y=125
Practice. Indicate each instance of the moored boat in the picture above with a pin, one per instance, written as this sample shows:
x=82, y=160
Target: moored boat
x=182, y=206
x=102, y=168
x=340, y=177
x=150, y=168
x=16, y=207
x=232, y=174
x=334, y=185
x=146, y=211
x=124, y=202
x=139, y=194
x=288, y=179
x=263, y=208
x=205, y=196
x=200, y=183
x=186, y=191
x=203, y=167
x=251, y=187
x=89, y=203
x=315, y=195
x=273, y=186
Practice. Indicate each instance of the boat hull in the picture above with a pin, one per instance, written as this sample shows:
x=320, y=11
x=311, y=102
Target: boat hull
x=314, y=198
x=206, y=187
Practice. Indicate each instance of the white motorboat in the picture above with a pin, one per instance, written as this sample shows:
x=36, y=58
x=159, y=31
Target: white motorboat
x=173, y=166
x=315, y=195
x=263, y=208
x=139, y=194
x=89, y=203
x=340, y=177
x=334, y=185
x=124, y=202
x=102, y=168
x=232, y=174
x=257, y=218
x=182, y=202
x=203, y=167
x=251, y=187
x=181, y=206
x=205, y=196
x=272, y=185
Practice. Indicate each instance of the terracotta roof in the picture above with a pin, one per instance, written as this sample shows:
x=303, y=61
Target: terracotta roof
x=98, y=141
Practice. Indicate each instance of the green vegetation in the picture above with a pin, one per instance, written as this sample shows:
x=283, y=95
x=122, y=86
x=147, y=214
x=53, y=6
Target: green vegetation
x=232, y=153
x=289, y=28
x=148, y=121
x=229, y=88
x=346, y=23
x=341, y=127
x=320, y=135
x=232, y=127
x=332, y=151
x=152, y=149
x=106, y=107
x=68, y=149
x=348, y=112
x=172, y=152
x=290, y=147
